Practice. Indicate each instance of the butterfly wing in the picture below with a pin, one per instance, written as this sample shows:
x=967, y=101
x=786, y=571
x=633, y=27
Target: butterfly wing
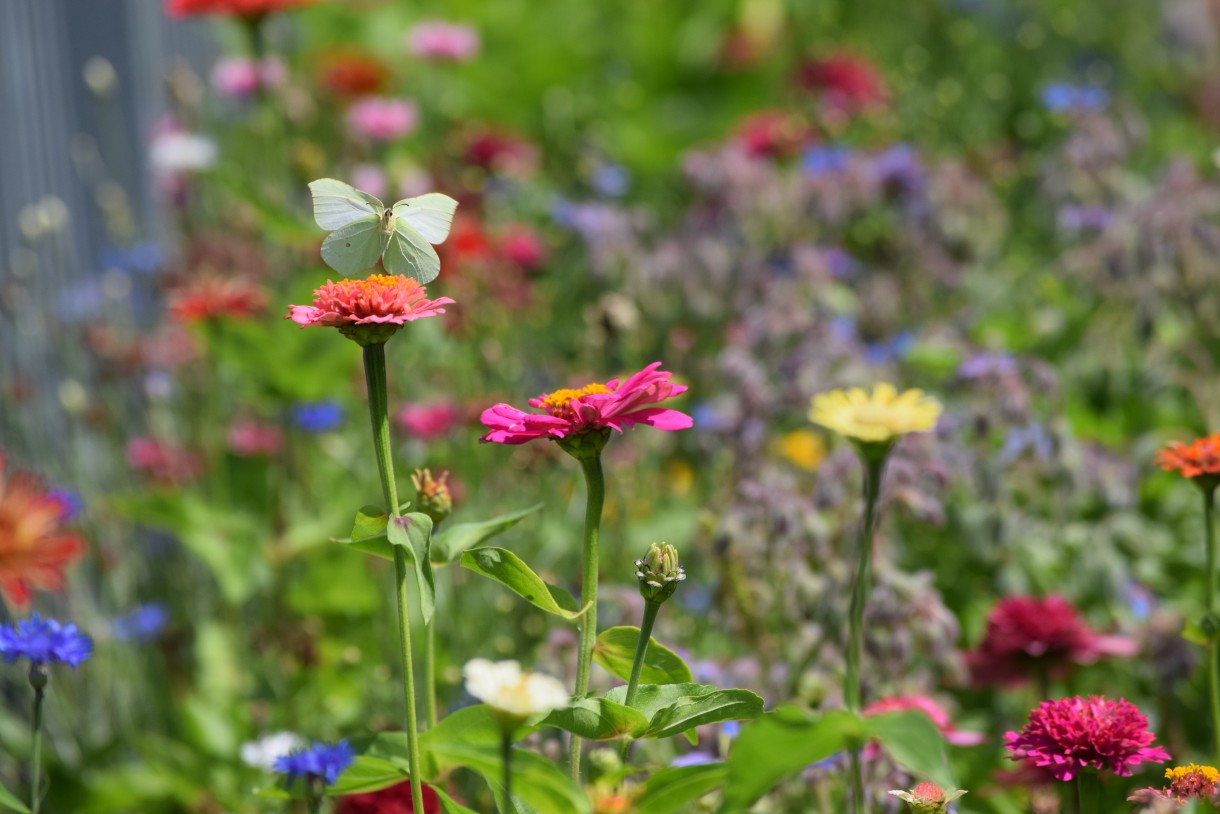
x=429, y=215
x=354, y=248
x=336, y=204
x=411, y=254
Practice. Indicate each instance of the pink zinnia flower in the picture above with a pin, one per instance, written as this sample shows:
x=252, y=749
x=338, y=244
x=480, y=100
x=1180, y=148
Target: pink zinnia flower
x=427, y=421
x=934, y=711
x=592, y=407
x=162, y=462
x=249, y=438
x=524, y=247
x=439, y=40
x=369, y=178
x=240, y=78
x=1027, y=636
x=359, y=307
x=381, y=118
x=1070, y=735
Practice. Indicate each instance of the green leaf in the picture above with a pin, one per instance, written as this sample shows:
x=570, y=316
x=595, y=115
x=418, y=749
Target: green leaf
x=370, y=522
x=413, y=533
x=539, y=785
x=507, y=568
x=671, y=789
x=366, y=773
x=449, y=806
x=915, y=743
x=9, y=801
x=448, y=545
x=615, y=652
x=672, y=709
x=598, y=719
x=781, y=743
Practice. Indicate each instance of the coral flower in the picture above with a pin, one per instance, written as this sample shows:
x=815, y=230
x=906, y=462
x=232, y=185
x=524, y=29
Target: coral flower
x=213, y=297
x=390, y=800
x=595, y=406
x=368, y=311
x=1027, y=636
x=1198, y=460
x=1070, y=735
x=881, y=417
x=250, y=9
x=934, y=711
x=34, y=549
x=351, y=73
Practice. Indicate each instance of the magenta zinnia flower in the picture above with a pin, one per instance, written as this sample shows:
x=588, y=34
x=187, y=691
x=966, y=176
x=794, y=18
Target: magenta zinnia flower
x=1072, y=734
x=1027, y=635
x=377, y=306
x=592, y=407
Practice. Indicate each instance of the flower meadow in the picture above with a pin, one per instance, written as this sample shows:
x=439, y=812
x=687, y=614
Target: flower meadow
x=548, y=408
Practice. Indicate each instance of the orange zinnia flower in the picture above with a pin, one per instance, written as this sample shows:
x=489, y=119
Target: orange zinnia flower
x=34, y=550
x=1198, y=459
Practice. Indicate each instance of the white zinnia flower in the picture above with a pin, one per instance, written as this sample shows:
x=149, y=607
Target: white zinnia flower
x=262, y=753
x=182, y=152
x=515, y=694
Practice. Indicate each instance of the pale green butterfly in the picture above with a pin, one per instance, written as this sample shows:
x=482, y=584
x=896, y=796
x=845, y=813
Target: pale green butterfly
x=364, y=230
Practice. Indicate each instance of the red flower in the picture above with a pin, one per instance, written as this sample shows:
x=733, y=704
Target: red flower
x=1027, y=636
x=499, y=151
x=595, y=406
x=524, y=247
x=846, y=82
x=773, y=133
x=390, y=800
x=34, y=550
x=162, y=463
x=1072, y=734
x=249, y=9
x=351, y=73
x=1199, y=459
x=212, y=297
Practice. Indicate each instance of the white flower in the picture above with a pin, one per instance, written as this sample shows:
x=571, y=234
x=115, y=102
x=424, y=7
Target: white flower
x=516, y=694
x=262, y=753
x=176, y=151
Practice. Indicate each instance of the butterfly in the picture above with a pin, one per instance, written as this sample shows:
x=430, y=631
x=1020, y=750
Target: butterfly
x=363, y=230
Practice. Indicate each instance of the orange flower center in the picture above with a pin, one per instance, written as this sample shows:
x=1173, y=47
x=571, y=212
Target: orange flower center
x=557, y=402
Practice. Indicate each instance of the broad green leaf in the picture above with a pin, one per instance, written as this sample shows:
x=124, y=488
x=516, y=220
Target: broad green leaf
x=670, y=790
x=615, y=652
x=598, y=719
x=719, y=705
x=369, y=532
x=539, y=785
x=366, y=773
x=782, y=743
x=413, y=533
x=915, y=743
x=652, y=698
x=509, y=570
x=448, y=545
x=449, y=806
x=10, y=802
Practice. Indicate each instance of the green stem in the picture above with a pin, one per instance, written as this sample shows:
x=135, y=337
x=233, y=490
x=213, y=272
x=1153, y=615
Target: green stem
x=36, y=753
x=1088, y=793
x=874, y=468
x=641, y=652
x=595, y=483
x=375, y=380
x=1213, y=652
x=430, y=671
x=506, y=754
x=315, y=790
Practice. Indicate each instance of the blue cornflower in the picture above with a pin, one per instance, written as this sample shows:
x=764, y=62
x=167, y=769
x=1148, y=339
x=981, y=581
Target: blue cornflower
x=144, y=622
x=317, y=416
x=144, y=258
x=819, y=161
x=1061, y=97
x=44, y=640
x=324, y=760
x=611, y=180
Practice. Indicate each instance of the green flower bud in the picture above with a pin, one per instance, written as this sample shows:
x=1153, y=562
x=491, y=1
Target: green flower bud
x=659, y=572
x=432, y=495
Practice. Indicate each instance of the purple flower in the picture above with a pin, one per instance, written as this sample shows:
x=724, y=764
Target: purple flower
x=324, y=760
x=44, y=640
x=819, y=161
x=1062, y=97
x=141, y=623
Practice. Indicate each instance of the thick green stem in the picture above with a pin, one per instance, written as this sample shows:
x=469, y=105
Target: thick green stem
x=641, y=652
x=1088, y=793
x=36, y=753
x=595, y=483
x=375, y=380
x=430, y=671
x=506, y=755
x=1213, y=652
x=874, y=469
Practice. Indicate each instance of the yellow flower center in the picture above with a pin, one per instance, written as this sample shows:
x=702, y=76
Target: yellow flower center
x=557, y=401
x=1182, y=772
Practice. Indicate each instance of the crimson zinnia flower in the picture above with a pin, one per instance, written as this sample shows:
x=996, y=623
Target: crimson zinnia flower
x=34, y=549
x=1070, y=735
x=250, y=9
x=1199, y=460
x=592, y=407
x=846, y=82
x=1027, y=636
x=368, y=311
x=391, y=800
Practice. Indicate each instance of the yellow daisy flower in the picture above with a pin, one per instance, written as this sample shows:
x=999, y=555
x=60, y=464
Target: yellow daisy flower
x=880, y=417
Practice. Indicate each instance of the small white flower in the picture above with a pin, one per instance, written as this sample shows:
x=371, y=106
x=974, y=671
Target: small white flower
x=506, y=689
x=181, y=152
x=262, y=753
